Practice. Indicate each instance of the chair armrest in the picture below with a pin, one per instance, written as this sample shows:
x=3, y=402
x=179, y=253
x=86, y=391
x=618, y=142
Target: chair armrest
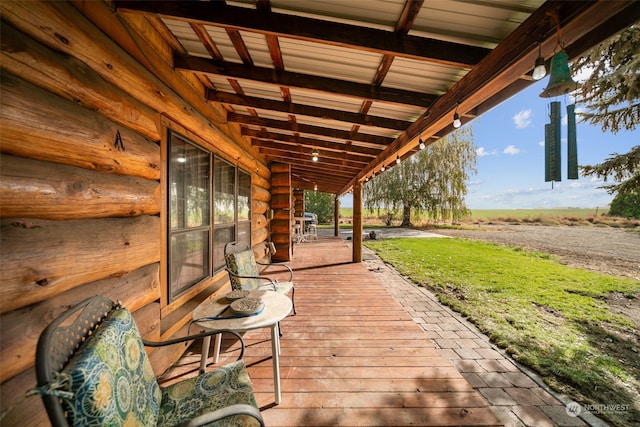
x=279, y=264
x=237, y=409
x=196, y=337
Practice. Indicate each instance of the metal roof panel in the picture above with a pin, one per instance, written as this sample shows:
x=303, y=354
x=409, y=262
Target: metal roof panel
x=329, y=61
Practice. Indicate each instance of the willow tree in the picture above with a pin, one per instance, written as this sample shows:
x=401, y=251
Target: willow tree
x=434, y=181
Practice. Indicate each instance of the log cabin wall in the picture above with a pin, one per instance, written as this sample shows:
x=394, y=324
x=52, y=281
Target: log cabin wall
x=298, y=196
x=281, y=203
x=85, y=105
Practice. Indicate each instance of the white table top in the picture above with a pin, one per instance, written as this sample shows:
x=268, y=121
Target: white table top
x=276, y=307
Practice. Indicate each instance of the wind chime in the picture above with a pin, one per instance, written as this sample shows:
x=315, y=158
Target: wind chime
x=560, y=83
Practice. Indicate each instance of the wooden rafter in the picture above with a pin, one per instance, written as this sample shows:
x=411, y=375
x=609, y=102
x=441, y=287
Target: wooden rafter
x=372, y=140
x=307, y=110
x=302, y=81
x=475, y=79
x=303, y=28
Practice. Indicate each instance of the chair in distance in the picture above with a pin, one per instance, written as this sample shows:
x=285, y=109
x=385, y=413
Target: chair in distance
x=311, y=233
x=244, y=275
x=92, y=369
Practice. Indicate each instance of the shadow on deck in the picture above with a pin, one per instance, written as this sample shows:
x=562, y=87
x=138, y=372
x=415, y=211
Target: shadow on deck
x=352, y=356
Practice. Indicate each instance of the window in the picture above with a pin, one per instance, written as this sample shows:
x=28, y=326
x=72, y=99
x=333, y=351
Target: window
x=209, y=205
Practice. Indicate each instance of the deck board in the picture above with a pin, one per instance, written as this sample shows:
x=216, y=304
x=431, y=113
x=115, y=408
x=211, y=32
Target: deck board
x=352, y=356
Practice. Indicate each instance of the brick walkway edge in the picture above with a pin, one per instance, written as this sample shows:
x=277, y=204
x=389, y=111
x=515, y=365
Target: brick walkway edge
x=517, y=396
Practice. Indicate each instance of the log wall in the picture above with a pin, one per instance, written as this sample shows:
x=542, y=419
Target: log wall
x=298, y=203
x=281, y=203
x=81, y=181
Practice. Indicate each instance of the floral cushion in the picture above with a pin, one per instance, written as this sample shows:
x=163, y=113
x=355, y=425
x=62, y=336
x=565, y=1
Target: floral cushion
x=227, y=385
x=243, y=264
x=110, y=378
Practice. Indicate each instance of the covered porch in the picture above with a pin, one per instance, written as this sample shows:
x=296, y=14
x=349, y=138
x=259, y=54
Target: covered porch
x=352, y=355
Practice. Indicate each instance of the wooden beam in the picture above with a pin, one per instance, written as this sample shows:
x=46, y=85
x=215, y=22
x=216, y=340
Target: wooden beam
x=259, y=138
x=325, y=187
x=306, y=151
x=373, y=140
x=306, y=110
x=303, y=81
x=335, y=166
x=308, y=182
x=506, y=64
x=315, y=30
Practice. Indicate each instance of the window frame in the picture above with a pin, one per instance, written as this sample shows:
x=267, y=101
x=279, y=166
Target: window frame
x=213, y=273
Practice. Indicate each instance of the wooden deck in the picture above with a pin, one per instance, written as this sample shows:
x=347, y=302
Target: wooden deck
x=352, y=356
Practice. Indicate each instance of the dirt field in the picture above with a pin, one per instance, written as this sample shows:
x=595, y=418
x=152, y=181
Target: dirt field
x=606, y=250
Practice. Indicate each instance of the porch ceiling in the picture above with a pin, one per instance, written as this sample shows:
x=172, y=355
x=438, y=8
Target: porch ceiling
x=361, y=81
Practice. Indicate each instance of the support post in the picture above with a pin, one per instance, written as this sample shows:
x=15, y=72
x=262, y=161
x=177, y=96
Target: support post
x=357, y=222
x=336, y=216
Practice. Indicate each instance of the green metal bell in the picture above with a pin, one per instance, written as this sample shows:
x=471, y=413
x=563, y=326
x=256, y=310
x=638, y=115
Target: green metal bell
x=560, y=81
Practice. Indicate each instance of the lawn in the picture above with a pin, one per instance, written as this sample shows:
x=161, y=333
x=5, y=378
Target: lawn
x=550, y=317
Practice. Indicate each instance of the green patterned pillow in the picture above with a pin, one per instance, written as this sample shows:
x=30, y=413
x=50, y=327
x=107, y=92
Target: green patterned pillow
x=213, y=390
x=111, y=379
x=243, y=264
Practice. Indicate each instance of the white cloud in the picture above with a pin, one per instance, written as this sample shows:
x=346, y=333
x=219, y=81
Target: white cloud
x=481, y=152
x=583, y=75
x=511, y=149
x=541, y=143
x=522, y=119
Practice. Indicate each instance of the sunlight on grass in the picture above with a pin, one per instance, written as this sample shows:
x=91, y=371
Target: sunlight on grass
x=550, y=317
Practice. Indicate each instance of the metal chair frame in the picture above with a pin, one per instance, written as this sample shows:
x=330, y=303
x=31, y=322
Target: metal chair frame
x=238, y=246
x=61, y=339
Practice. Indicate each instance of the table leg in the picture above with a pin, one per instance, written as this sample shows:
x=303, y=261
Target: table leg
x=275, y=350
x=206, y=347
x=206, y=343
x=216, y=350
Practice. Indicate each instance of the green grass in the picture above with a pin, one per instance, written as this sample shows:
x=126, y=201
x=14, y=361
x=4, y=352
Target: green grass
x=553, y=318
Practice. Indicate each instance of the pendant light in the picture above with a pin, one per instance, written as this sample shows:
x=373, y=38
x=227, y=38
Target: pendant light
x=540, y=69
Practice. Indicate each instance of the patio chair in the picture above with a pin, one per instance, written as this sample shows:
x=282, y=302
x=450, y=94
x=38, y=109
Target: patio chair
x=244, y=275
x=312, y=232
x=92, y=369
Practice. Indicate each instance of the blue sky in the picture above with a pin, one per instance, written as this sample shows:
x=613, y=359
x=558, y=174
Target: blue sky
x=510, y=145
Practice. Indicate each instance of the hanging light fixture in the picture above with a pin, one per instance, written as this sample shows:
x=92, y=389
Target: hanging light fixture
x=383, y=168
x=314, y=155
x=315, y=187
x=421, y=145
x=540, y=69
x=456, y=117
x=397, y=159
